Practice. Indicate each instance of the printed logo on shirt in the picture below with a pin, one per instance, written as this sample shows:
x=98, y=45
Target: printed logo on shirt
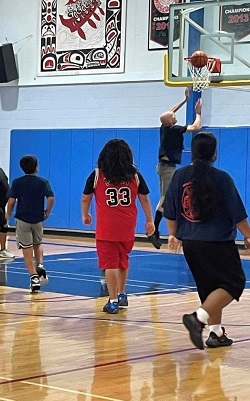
x=188, y=212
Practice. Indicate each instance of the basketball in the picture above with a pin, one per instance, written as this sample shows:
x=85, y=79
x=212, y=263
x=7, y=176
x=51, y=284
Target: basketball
x=199, y=59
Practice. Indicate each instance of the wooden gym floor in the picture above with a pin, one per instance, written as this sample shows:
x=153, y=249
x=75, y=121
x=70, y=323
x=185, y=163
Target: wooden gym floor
x=58, y=345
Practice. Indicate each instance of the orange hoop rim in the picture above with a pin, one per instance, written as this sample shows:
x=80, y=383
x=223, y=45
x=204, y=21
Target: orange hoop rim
x=211, y=62
x=208, y=59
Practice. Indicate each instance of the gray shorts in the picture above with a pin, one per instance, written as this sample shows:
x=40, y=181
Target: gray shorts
x=28, y=234
x=166, y=173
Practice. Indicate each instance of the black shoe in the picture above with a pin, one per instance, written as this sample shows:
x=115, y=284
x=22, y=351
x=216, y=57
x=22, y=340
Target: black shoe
x=34, y=283
x=195, y=328
x=214, y=341
x=155, y=240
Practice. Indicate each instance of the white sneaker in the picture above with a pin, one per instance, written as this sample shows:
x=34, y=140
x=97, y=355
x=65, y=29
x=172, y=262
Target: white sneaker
x=42, y=274
x=6, y=254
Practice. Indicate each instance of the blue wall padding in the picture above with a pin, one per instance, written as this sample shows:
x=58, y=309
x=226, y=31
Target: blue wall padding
x=60, y=176
x=66, y=157
x=81, y=162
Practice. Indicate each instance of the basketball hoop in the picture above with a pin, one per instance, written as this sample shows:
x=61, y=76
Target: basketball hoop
x=201, y=75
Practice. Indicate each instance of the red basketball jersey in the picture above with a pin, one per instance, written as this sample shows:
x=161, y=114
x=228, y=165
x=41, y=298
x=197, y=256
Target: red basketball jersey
x=116, y=210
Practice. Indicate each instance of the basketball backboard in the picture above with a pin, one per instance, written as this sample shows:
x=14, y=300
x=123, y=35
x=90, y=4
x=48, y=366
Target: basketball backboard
x=221, y=29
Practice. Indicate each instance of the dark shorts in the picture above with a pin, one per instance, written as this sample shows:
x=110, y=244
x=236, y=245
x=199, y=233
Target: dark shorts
x=114, y=254
x=215, y=265
x=3, y=222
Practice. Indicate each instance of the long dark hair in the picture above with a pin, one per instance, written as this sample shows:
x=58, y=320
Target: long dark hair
x=116, y=162
x=205, y=196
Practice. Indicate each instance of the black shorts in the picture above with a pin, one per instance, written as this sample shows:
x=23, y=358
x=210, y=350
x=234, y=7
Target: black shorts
x=3, y=222
x=215, y=265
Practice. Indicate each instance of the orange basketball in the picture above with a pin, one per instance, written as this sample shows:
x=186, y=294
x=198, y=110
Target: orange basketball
x=199, y=59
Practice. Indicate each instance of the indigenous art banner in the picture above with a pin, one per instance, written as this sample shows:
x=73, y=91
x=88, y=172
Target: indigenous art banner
x=158, y=24
x=81, y=37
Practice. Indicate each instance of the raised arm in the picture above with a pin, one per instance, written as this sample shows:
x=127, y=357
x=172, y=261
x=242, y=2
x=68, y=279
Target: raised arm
x=197, y=122
x=175, y=108
x=168, y=117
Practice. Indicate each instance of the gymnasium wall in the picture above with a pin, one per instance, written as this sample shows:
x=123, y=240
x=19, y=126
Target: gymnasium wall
x=90, y=105
x=67, y=157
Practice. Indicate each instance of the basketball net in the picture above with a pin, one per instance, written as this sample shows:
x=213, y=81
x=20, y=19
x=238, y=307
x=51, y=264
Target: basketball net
x=200, y=75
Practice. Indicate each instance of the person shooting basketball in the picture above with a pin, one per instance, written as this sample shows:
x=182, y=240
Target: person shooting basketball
x=170, y=152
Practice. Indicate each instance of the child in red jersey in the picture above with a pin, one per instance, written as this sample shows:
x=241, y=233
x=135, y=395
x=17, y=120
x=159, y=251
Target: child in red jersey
x=116, y=184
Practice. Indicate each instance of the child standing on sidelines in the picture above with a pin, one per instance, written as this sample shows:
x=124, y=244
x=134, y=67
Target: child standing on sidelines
x=116, y=184
x=29, y=192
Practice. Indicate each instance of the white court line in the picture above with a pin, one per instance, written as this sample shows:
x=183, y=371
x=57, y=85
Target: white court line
x=95, y=277
x=65, y=390
x=39, y=316
x=148, y=327
x=22, y=270
x=95, y=280
x=116, y=322
x=80, y=259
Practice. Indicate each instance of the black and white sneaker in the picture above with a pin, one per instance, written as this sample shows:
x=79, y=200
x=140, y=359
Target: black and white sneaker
x=214, y=341
x=195, y=328
x=42, y=274
x=34, y=283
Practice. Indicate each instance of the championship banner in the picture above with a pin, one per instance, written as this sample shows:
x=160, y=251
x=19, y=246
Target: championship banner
x=158, y=24
x=236, y=19
x=81, y=37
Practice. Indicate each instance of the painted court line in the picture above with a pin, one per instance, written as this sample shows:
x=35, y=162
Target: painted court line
x=65, y=390
x=145, y=326
x=101, y=365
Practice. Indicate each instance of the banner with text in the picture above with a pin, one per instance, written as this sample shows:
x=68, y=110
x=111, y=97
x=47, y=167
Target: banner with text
x=158, y=24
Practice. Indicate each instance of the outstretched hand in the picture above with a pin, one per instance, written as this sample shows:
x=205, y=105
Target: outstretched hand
x=198, y=106
x=187, y=93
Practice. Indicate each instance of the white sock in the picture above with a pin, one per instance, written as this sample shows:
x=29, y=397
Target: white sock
x=216, y=328
x=202, y=315
x=114, y=300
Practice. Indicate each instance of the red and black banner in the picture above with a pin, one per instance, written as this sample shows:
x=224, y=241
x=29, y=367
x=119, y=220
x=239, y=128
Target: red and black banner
x=236, y=19
x=158, y=24
x=81, y=37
